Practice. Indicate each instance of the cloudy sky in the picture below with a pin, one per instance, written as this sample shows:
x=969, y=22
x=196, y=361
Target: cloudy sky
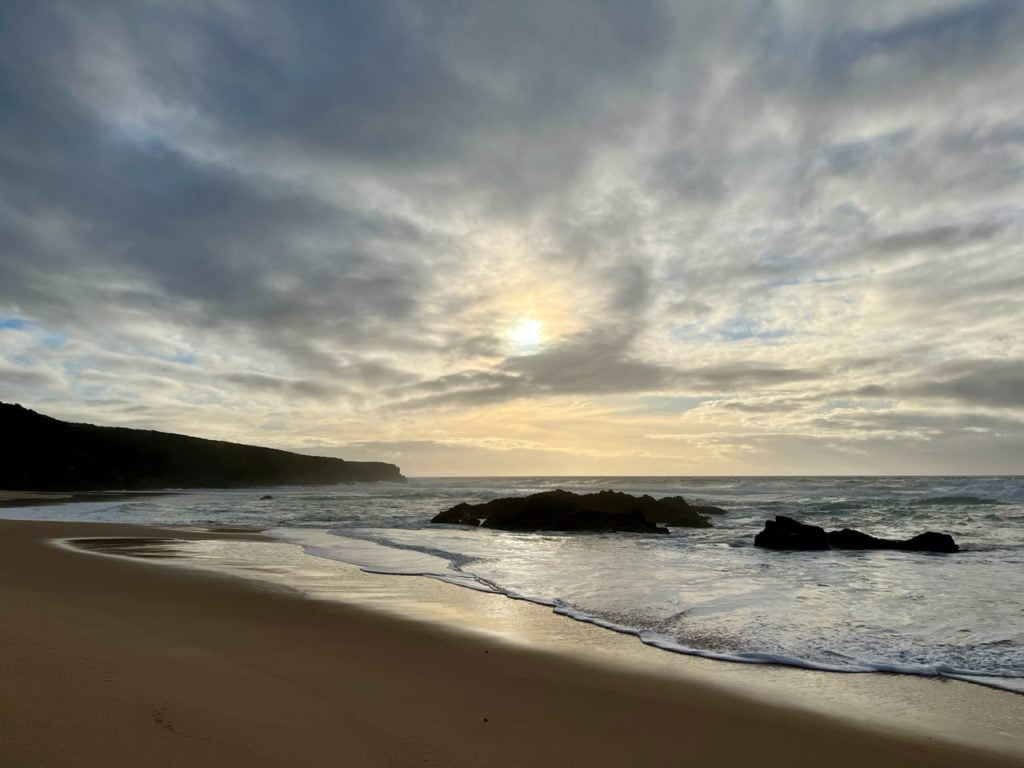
x=523, y=237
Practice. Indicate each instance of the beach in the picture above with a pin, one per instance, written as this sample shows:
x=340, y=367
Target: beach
x=471, y=385
x=110, y=661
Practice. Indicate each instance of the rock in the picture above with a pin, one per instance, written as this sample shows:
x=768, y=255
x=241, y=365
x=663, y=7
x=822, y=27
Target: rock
x=565, y=511
x=671, y=510
x=544, y=515
x=851, y=539
x=923, y=542
x=460, y=514
x=929, y=541
x=268, y=497
x=679, y=501
x=786, y=533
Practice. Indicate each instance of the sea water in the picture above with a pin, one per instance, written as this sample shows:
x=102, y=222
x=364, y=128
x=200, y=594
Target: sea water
x=708, y=592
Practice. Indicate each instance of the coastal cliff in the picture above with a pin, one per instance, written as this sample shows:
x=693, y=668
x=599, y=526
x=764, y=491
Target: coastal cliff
x=40, y=453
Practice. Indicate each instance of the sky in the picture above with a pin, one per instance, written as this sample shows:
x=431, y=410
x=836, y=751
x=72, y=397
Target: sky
x=496, y=238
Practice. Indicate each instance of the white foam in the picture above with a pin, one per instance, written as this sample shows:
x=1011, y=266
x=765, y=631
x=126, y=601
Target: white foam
x=375, y=557
x=702, y=592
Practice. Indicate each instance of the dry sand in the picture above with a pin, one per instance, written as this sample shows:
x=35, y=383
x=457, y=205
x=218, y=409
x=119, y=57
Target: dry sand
x=112, y=662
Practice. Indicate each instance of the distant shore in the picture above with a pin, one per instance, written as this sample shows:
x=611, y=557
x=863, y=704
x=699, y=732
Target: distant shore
x=108, y=659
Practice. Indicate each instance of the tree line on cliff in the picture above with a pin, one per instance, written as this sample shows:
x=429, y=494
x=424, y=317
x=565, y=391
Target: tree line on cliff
x=39, y=453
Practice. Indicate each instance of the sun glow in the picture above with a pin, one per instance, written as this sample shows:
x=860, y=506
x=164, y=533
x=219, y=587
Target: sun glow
x=526, y=335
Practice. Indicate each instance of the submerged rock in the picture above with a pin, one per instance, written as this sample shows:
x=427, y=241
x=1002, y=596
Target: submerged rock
x=566, y=511
x=785, y=533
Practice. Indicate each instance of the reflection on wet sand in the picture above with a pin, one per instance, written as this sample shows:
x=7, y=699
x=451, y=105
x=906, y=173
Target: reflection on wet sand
x=930, y=707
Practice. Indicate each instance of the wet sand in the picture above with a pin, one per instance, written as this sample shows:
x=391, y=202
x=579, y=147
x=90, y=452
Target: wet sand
x=110, y=661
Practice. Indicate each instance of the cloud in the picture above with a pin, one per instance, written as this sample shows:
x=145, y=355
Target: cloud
x=14, y=378
x=782, y=217
x=993, y=383
x=942, y=236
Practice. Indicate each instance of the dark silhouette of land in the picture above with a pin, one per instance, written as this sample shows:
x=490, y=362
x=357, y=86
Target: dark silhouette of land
x=39, y=453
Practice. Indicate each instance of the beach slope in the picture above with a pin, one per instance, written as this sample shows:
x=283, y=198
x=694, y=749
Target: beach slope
x=112, y=662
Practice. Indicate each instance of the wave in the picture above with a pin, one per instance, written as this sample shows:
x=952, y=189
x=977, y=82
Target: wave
x=958, y=501
x=842, y=506
x=1003, y=681
x=395, y=560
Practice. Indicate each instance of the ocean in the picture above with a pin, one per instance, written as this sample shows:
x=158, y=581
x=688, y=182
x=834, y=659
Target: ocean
x=706, y=592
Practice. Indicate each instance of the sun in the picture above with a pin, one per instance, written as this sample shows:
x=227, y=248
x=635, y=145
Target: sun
x=526, y=335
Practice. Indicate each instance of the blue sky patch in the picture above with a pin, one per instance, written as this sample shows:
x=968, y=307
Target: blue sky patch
x=13, y=323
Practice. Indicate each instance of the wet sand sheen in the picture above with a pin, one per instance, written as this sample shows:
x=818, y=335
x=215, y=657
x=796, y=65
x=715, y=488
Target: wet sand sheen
x=931, y=708
x=106, y=658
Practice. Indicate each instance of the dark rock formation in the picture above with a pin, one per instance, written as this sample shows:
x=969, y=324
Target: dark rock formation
x=561, y=516
x=787, y=533
x=267, y=497
x=565, y=511
x=460, y=514
x=929, y=541
x=923, y=542
x=38, y=453
x=677, y=511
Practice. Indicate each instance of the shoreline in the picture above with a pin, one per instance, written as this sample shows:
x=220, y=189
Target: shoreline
x=16, y=499
x=925, y=706
x=107, y=656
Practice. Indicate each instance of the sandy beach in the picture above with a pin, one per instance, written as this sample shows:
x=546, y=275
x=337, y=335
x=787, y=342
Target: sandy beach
x=113, y=662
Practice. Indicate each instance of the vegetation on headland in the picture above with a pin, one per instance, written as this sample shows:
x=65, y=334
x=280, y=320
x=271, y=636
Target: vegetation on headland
x=40, y=453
